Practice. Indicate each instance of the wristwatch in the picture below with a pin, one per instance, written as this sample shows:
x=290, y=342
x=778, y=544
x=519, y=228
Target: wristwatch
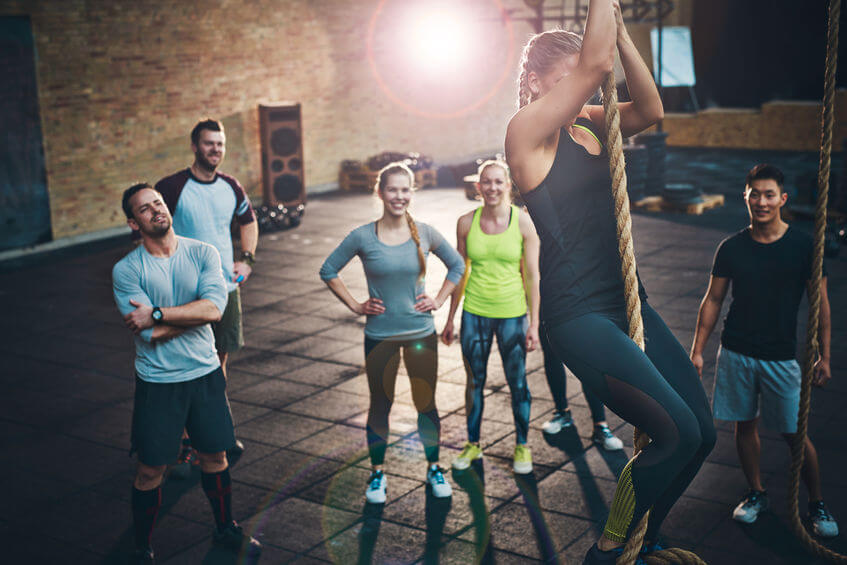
x=248, y=257
x=157, y=315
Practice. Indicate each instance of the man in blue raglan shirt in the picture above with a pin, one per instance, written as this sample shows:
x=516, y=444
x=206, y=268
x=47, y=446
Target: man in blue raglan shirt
x=169, y=290
x=203, y=203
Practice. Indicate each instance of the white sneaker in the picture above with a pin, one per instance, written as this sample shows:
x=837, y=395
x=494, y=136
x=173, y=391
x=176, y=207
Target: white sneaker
x=753, y=504
x=823, y=524
x=559, y=422
x=440, y=487
x=375, y=494
x=604, y=437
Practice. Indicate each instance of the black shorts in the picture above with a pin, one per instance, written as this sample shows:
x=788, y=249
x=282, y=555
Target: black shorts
x=162, y=410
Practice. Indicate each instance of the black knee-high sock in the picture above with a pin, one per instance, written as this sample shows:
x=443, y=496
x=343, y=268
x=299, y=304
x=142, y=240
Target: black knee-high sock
x=145, y=508
x=218, y=488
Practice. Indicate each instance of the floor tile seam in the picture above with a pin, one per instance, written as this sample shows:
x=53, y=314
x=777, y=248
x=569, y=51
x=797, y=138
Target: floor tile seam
x=287, y=296
x=294, y=492
x=281, y=375
x=278, y=344
x=274, y=376
x=592, y=475
x=710, y=531
x=41, y=359
x=91, y=441
x=352, y=462
x=61, y=541
x=321, y=360
x=502, y=502
x=320, y=389
x=301, y=336
x=494, y=443
x=743, y=552
x=287, y=445
x=359, y=520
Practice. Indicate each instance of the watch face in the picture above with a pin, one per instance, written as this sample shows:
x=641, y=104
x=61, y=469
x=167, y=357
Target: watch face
x=157, y=314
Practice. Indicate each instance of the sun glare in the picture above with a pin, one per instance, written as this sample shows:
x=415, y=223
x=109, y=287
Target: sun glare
x=440, y=40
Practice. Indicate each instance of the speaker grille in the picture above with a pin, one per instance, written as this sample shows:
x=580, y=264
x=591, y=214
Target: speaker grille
x=284, y=142
x=287, y=188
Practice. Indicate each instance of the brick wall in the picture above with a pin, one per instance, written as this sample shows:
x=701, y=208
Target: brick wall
x=122, y=82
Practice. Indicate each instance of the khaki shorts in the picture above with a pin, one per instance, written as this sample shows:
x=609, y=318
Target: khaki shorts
x=229, y=334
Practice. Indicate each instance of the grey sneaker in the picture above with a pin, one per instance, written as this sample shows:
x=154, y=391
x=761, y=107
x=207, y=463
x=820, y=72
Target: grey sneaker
x=755, y=502
x=559, y=422
x=440, y=487
x=823, y=524
x=604, y=437
x=375, y=494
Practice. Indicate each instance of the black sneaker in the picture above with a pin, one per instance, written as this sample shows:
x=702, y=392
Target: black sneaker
x=143, y=556
x=234, y=539
x=596, y=556
x=236, y=450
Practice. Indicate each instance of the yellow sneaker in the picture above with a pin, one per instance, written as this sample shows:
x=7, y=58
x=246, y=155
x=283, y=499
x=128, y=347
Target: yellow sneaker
x=471, y=452
x=523, y=460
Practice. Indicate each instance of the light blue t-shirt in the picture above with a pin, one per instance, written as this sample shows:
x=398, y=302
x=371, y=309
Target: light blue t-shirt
x=205, y=212
x=393, y=275
x=192, y=273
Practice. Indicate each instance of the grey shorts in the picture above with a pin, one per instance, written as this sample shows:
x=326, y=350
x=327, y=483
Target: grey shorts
x=229, y=334
x=746, y=387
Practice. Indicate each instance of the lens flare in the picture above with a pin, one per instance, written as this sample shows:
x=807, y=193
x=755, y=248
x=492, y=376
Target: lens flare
x=440, y=40
x=439, y=49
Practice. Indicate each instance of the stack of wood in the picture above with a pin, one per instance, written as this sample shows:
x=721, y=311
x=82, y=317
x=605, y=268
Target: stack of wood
x=361, y=176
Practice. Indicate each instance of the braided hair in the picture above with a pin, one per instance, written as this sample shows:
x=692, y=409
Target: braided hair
x=399, y=168
x=541, y=52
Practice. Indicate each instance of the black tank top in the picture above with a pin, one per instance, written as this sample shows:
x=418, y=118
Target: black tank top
x=573, y=213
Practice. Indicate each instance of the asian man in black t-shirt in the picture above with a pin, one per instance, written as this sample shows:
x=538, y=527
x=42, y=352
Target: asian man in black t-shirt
x=769, y=264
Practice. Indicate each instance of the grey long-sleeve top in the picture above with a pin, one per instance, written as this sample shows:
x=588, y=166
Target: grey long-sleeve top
x=393, y=276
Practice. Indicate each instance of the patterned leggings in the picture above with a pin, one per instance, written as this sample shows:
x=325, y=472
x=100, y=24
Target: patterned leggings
x=477, y=335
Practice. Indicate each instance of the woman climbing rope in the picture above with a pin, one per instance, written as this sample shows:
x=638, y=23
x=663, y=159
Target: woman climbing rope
x=558, y=163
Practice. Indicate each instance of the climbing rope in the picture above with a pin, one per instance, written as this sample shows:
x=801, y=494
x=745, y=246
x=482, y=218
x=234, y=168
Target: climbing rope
x=812, y=330
x=614, y=147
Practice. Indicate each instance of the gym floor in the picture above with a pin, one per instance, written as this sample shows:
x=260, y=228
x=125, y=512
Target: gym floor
x=300, y=398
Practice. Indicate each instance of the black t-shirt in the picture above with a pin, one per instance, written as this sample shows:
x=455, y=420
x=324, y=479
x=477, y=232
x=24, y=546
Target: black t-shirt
x=768, y=280
x=573, y=213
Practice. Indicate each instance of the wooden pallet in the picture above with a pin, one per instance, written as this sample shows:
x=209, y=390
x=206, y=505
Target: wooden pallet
x=659, y=204
x=426, y=178
x=364, y=179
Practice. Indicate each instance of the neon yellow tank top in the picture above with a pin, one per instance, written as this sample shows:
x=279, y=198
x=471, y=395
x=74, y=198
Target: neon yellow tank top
x=495, y=288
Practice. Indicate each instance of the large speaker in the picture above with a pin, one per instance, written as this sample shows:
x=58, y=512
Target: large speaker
x=283, y=178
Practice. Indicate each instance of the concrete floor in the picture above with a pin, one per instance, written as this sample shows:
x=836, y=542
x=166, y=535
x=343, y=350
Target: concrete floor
x=300, y=398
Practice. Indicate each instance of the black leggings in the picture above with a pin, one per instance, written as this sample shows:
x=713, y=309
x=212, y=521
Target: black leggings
x=382, y=359
x=557, y=380
x=659, y=392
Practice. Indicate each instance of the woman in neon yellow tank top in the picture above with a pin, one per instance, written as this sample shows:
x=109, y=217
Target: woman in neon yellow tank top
x=500, y=248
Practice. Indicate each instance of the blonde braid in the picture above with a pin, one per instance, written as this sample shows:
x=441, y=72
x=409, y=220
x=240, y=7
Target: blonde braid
x=523, y=87
x=416, y=237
